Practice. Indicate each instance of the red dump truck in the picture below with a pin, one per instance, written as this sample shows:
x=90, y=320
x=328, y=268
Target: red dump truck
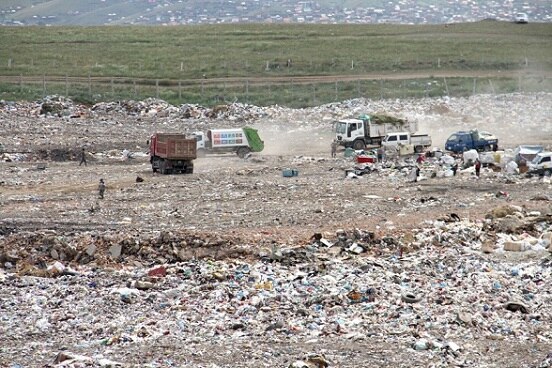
x=172, y=153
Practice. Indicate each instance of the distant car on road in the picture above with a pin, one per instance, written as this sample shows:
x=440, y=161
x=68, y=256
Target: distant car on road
x=521, y=18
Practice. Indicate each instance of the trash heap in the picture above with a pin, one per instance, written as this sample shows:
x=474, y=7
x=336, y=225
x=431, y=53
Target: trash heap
x=435, y=291
x=152, y=107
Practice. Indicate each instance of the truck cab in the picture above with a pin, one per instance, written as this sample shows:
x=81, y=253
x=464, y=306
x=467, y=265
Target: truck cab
x=541, y=164
x=200, y=139
x=350, y=133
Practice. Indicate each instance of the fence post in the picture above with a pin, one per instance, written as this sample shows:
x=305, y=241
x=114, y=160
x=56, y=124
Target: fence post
x=291, y=89
x=352, y=64
x=446, y=86
x=492, y=87
x=9, y=63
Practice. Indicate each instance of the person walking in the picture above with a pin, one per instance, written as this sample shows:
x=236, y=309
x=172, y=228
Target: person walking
x=101, y=188
x=334, y=148
x=477, y=167
x=83, y=158
x=454, y=168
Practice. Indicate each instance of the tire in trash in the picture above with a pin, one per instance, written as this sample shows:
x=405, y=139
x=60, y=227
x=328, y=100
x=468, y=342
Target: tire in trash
x=410, y=298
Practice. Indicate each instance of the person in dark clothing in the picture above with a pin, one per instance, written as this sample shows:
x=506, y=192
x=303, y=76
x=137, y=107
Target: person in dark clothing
x=83, y=158
x=101, y=188
x=454, y=168
x=477, y=167
x=334, y=148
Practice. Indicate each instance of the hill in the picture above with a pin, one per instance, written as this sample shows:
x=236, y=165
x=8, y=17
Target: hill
x=297, y=65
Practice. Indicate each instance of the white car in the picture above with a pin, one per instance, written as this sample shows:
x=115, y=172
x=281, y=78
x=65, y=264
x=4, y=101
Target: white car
x=521, y=18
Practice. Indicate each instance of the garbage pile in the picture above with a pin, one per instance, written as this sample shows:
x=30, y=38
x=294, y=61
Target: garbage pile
x=434, y=291
x=152, y=107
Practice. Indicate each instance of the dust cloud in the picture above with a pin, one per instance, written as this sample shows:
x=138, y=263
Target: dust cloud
x=517, y=118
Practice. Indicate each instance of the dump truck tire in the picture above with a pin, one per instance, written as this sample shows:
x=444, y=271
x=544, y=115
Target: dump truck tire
x=243, y=151
x=358, y=145
x=162, y=167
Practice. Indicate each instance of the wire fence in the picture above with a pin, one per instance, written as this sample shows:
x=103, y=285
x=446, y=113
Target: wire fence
x=293, y=92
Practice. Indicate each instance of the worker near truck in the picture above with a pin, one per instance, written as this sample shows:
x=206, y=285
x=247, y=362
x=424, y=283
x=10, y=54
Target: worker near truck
x=334, y=148
x=477, y=167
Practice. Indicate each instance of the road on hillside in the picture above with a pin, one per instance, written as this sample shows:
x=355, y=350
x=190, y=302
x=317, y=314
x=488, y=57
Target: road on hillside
x=230, y=81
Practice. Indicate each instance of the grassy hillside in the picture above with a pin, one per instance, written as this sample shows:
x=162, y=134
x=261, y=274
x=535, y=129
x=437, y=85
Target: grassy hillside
x=244, y=50
x=261, y=51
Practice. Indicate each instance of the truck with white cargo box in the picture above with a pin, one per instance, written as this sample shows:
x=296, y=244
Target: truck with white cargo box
x=242, y=141
x=370, y=130
x=172, y=153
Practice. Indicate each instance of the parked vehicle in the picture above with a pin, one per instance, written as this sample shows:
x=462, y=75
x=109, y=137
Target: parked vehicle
x=521, y=18
x=172, y=153
x=466, y=140
x=524, y=154
x=370, y=130
x=239, y=140
x=418, y=141
x=541, y=164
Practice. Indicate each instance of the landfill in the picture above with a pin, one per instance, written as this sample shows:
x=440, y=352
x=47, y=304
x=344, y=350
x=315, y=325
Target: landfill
x=285, y=258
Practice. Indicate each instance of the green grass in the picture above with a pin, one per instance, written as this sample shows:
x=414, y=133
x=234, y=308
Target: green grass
x=186, y=53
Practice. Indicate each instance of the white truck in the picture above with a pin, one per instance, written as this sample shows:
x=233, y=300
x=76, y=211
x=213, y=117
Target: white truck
x=370, y=130
x=541, y=164
x=238, y=140
x=418, y=142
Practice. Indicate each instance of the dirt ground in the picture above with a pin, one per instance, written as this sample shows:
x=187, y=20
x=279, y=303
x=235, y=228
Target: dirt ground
x=251, y=203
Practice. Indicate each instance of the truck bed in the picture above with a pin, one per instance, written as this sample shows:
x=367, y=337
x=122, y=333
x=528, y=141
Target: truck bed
x=175, y=147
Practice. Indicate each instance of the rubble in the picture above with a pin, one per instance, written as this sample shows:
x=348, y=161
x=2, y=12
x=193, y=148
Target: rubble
x=239, y=266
